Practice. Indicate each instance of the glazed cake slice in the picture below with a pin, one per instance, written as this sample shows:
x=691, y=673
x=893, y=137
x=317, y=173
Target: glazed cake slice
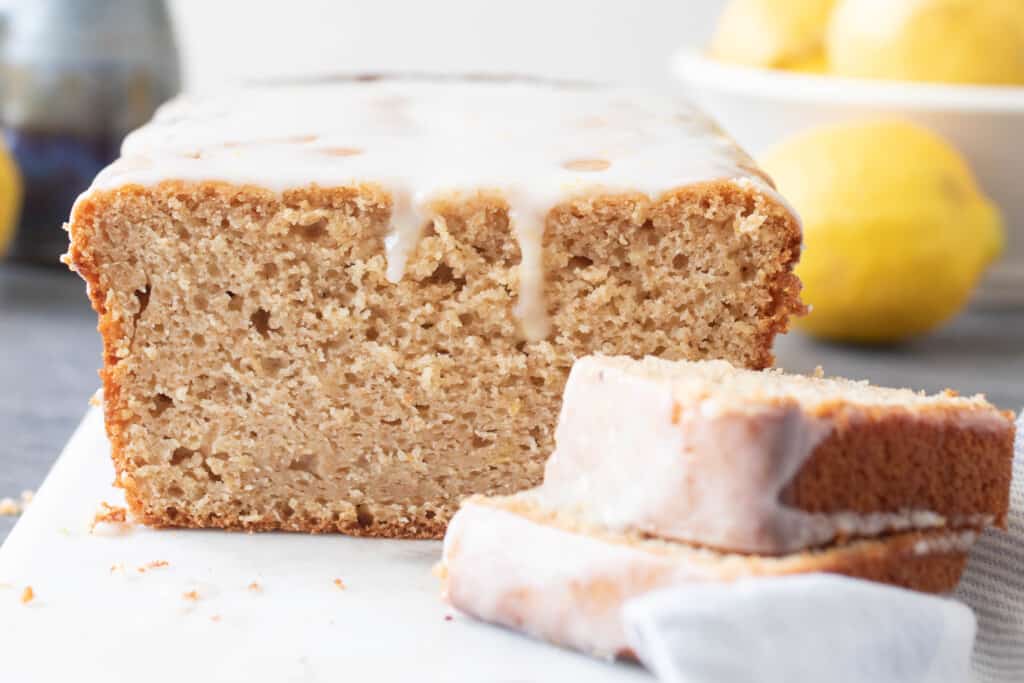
x=344, y=306
x=770, y=463
x=515, y=562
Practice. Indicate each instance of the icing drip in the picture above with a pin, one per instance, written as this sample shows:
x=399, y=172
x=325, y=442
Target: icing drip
x=407, y=221
x=410, y=215
x=408, y=218
x=528, y=225
x=535, y=144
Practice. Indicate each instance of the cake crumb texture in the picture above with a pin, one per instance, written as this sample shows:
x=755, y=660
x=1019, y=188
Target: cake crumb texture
x=260, y=371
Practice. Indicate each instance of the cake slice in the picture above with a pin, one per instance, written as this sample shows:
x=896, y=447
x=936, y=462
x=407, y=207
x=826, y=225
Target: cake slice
x=343, y=306
x=515, y=562
x=766, y=462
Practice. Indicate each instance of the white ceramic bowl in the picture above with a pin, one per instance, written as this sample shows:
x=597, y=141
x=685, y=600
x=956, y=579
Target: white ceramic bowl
x=759, y=107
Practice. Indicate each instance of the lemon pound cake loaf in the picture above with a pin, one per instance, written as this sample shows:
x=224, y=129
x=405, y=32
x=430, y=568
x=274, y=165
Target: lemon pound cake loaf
x=514, y=561
x=770, y=463
x=344, y=306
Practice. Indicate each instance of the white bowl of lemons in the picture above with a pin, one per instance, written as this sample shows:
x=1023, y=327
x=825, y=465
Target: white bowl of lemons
x=776, y=69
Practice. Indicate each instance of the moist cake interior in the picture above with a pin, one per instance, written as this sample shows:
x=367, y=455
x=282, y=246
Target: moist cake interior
x=261, y=372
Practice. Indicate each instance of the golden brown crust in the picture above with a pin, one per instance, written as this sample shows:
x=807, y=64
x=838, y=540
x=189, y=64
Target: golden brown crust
x=105, y=224
x=785, y=287
x=931, y=573
x=943, y=460
x=426, y=529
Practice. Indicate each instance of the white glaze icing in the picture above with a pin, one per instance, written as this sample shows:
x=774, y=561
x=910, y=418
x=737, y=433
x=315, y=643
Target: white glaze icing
x=950, y=543
x=634, y=451
x=537, y=144
x=554, y=585
x=718, y=384
x=569, y=587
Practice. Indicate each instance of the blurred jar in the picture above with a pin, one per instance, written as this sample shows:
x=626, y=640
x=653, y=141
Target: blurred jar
x=78, y=75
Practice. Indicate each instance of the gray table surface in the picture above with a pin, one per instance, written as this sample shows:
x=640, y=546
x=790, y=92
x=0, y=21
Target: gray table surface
x=49, y=353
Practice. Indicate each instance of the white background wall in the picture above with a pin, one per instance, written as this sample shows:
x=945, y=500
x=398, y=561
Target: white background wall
x=605, y=40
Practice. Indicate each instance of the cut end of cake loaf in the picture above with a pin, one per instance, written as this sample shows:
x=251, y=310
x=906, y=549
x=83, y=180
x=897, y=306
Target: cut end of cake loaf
x=261, y=371
x=512, y=561
x=767, y=462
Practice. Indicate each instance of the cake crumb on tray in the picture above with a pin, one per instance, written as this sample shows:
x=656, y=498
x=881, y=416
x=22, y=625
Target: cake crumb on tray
x=9, y=507
x=155, y=564
x=108, y=514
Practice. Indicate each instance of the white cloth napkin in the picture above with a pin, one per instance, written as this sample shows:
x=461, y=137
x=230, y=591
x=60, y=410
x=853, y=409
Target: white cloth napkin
x=813, y=628
x=818, y=627
x=993, y=585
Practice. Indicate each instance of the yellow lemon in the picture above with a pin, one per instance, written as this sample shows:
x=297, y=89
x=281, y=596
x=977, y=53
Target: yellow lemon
x=815, y=64
x=773, y=33
x=10, y=198
x=951, y=41
x=896, y=231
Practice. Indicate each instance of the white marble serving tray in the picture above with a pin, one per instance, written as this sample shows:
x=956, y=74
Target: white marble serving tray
x=88, y=622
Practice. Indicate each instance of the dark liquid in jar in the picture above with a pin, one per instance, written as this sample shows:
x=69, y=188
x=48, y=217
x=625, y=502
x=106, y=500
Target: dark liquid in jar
x=77, y=77
x=56, y=168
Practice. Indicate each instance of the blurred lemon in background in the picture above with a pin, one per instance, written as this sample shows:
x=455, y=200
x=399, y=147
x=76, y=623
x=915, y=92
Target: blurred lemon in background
x=10, y=198
x=816, y=64
x=896, y=231
x=773, y=33
x=951, y=41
